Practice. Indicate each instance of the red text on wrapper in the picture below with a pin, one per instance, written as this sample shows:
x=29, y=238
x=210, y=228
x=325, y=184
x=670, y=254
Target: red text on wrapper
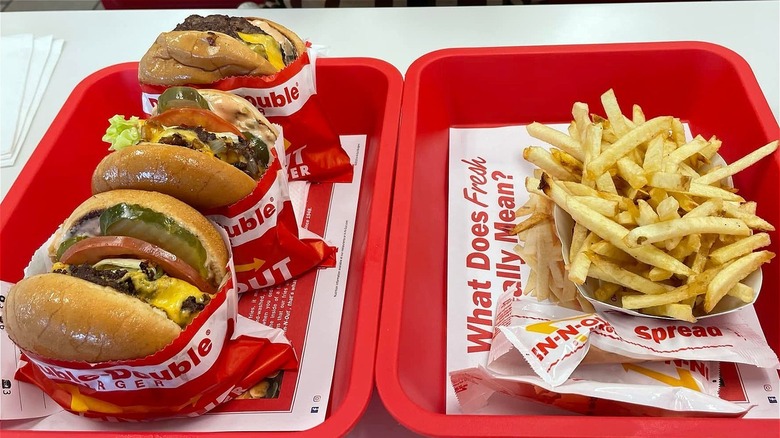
x=281, y=100
x=560, y=336
x=187, y=365
x=254, y=222
x=659, y=334
x=278, y=273
x=295, y=164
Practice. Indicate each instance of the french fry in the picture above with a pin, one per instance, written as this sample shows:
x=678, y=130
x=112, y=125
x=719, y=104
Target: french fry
x=647, y=215
x=678, y=132
x=573, y=165
x=673, y=160
x=632, y=173
x=751, y=220
x=625, y=144
x=706, y=191
x=606, y=271
x=611, y=252
x=669, y=181
x=579, y=112
x=606, y=291
x=615, y=116
x=545, y=161
x=577, y=238
x=532, y=221
x=683, y=312
x=638, y=115
x=609, y=230
x=654, y=155
x=708, y=208
x=603, y=206
x=658, y=274
x=739, y=165
x=557, y=139
x=578, y=269
x=712, y=149
x=697, y=287
x=743, y=292
x=682, y=227
x=731, y=274
x=740, y=248
x=605, y=184
x=749, y=207
x=667, y=209
x=573, y=132
x=702, y=254
x=626, y=218
x=686, y=202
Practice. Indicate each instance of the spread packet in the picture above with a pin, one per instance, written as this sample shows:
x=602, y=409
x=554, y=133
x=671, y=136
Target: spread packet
x=672, y=388
x=554, y=341
x=288, y=98
x=213, y=360
x=269, y=246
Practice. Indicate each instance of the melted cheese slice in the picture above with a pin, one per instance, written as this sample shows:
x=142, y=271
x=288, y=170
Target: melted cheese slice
x=165, y=293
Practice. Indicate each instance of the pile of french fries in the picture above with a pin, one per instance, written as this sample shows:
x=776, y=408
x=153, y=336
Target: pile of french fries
x=657, y=223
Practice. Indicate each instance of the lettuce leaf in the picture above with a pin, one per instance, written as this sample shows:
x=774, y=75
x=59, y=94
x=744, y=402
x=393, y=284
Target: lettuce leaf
x=123, y=132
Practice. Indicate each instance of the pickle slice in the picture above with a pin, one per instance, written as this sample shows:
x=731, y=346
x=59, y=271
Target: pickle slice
x=177, y=97
x=150, y=226
x=67, y=243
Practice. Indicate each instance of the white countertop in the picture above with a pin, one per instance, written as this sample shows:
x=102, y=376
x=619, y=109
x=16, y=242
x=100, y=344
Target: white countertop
x=96, y=39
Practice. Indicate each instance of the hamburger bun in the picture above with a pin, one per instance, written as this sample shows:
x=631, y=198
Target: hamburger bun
x=46, y=313
x=200, y=180
x=193, y=57
x=203, y=54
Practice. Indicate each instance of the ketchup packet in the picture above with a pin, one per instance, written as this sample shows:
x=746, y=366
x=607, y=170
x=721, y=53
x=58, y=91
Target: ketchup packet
x=218, y=355
x=288, y=98
x=554, y=340
x=268, y=245
x=671, y=388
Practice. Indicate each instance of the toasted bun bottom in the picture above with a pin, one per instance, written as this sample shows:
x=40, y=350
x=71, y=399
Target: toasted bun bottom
x=190, y=176
x=67, y=318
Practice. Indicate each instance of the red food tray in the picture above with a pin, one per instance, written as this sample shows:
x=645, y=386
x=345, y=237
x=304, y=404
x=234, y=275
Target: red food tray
x=359, y=95
x=710, y=87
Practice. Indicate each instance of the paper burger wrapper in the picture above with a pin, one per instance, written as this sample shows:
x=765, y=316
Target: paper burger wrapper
x=268, y=244
x=208, y=364
x=668, y=389
x=288, y=98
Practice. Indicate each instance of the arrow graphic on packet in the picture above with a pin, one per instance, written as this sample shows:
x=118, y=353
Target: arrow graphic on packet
x=685, y=379
x=254, y=266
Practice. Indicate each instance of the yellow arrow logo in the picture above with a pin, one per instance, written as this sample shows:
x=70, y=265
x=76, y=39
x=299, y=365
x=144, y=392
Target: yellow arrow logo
x=254, y=266
x=684, y=379
x=549, y=327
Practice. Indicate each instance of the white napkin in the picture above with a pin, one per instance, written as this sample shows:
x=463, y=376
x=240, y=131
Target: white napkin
x=33, y=61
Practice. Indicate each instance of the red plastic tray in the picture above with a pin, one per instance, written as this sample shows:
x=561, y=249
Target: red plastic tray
x=359, y=96
x=708, y=86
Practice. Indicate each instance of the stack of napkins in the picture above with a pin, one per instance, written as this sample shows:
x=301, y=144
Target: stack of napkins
x=28, y=63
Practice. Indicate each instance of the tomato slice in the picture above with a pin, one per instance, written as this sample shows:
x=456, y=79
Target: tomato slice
x=187, y=116
x=94, y=249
